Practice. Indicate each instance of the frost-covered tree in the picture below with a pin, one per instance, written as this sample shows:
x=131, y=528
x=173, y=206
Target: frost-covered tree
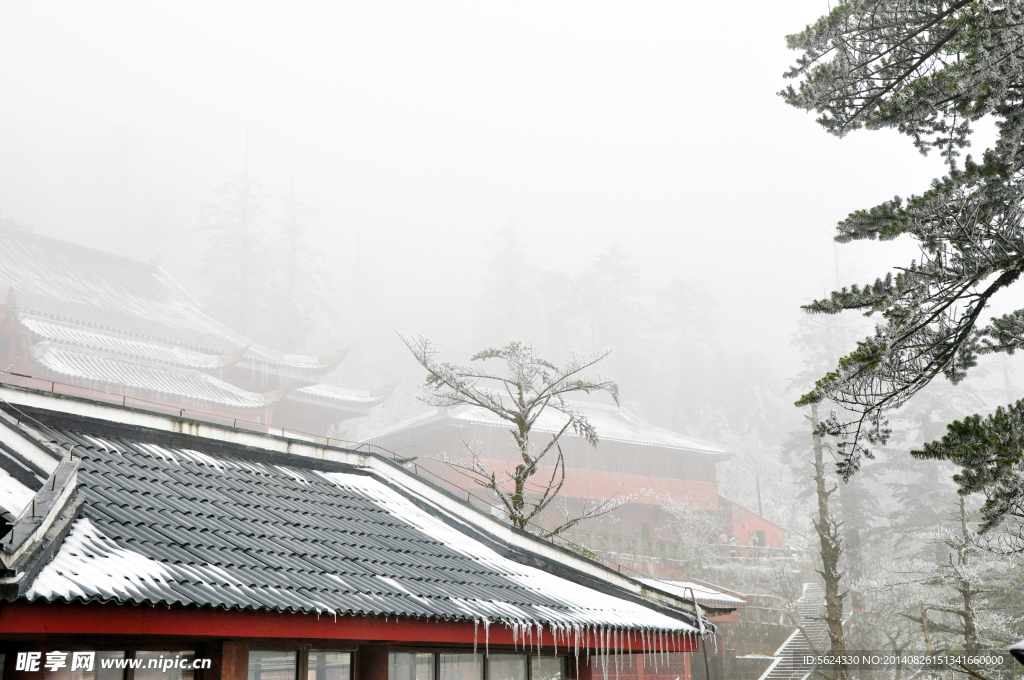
x=529, y=386
x=930, y=70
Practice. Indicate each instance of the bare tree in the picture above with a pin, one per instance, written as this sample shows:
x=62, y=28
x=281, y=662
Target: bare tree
x=529, y=386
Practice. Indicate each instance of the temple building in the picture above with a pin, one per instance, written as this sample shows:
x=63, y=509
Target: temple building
x=138, y=545
x=80, y=320
x=632, y=457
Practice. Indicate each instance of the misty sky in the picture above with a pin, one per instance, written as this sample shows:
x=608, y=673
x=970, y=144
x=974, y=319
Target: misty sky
x=419, y=130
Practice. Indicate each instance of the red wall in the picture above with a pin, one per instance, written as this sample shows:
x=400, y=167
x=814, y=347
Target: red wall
x=23, y=620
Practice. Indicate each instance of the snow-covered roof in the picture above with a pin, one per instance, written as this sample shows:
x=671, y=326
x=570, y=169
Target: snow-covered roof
x=323, y=394
x=706, y=595
x=14, y=495
x=117, y=345
x=239, y=520
x=612, y=425
x=63, y=283
x=181, y=388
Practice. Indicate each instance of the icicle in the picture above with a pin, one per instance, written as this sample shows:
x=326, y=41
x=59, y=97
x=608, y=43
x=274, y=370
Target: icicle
x=554, y=634
x=487, y=636
x=618, y=652
x=606, y=634
x=576, y=636
x=604, y=652
x=576, y=643
x=515, y=636
x=540, y=638
x=476, y=628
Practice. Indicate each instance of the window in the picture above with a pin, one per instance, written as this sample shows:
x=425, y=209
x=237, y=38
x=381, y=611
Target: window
x=546, y=668
x=410, y=666
x=270, y=665
x=329, y=666
x=461, y=667
x=165, y=665
x=419, y=666
x=506, y=667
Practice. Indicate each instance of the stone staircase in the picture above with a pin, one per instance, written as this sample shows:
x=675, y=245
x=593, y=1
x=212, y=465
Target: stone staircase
x=811, y=636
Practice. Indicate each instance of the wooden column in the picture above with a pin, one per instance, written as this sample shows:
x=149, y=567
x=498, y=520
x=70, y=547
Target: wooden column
x=229, y=660
x=372, y=663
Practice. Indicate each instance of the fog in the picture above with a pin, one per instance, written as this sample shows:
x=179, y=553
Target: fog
x=420, y=133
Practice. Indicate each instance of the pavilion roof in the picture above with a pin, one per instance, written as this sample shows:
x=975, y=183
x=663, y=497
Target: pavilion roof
x=78, y=295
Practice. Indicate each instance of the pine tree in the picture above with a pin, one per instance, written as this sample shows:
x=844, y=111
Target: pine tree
x=931, y=70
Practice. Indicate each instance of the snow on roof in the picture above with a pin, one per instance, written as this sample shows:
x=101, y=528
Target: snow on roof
x=14, y=496
x=706, y=595
x=612, y=424
x=309, y=537
x=118, y=345
x=57, y=281
x=187, y=389
x=334, y=396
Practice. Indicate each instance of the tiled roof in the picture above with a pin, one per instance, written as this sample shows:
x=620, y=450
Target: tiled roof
x=183, y=389
x=59, y=282
x=118, y=345
x=335, y=397
x=64, y=282
x=194, y=523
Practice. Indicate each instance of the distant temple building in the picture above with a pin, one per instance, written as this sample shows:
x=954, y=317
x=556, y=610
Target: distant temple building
x=631, y=457
x=79, y=318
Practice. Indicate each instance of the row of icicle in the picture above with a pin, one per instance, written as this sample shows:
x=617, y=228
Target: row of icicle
x=610, y=643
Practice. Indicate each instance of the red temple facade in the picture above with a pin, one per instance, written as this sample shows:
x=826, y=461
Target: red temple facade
x=632, y=457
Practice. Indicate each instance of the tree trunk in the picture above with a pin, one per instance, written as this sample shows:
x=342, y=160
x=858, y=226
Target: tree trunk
x=831, y=551
x=964, y=586
x=850, y=500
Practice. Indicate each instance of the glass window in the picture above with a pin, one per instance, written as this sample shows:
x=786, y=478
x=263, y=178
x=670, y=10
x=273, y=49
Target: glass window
x=410, y=666
x=461, y=667
x=270, y=665
x=329, y=666
x=165, y=665
x=547, y=667
x=506, y=667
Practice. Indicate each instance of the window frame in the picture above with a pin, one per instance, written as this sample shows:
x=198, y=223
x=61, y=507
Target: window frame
x=438, y=651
